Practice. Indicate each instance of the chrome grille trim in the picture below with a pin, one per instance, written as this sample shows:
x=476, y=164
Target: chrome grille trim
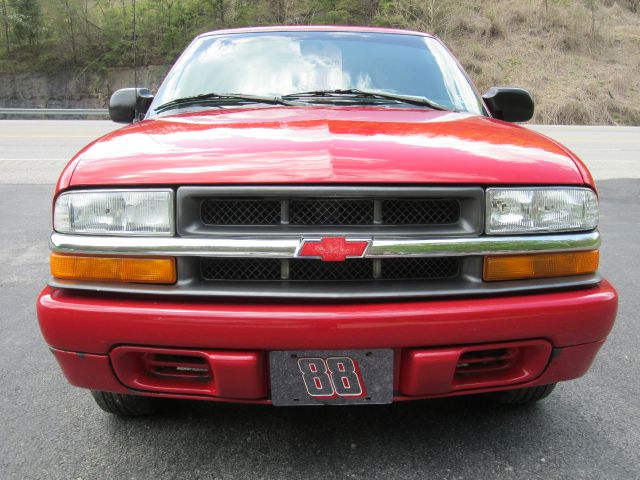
x=278, y=247
x=512, y=245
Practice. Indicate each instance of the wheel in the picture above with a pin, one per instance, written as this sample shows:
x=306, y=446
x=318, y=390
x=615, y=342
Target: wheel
x=125, y=405
x=524, y=396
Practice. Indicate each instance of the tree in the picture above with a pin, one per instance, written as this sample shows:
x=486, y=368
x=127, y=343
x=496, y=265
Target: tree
x=5, y=25
x=279, y=10
x=216, y=7
x=26, y=20
x=591, y=4
x=72, y=30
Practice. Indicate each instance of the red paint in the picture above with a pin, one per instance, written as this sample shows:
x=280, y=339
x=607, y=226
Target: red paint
x=328, y=145
x=431, y=371
x=233, y=374
x=95, y=372
x=96, y=323
x=333, y=249
x=88, y=371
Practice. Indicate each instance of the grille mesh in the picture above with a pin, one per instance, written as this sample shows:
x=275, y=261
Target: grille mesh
x=329, y=211
x=360, y=269
x=355, y=269
x=420, y=212
x=240, y=212
x=240, y=269
x=419, y=268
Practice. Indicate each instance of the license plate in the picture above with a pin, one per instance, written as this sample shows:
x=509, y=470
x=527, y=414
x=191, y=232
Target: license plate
x=325, y=377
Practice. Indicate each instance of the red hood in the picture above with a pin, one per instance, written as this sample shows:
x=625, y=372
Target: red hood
x=295, y=145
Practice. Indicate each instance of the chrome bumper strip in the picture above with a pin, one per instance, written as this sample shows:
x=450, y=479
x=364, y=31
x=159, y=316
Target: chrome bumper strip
x=278, y=247
x=436, y=247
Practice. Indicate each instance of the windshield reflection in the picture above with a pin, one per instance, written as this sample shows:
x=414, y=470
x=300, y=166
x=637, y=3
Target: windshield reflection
x=283, y=63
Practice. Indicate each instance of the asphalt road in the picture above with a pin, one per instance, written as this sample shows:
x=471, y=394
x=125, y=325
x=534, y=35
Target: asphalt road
x=588, y=429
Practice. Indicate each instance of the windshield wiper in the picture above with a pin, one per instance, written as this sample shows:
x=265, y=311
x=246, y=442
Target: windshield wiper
x=212, y=97
x=355, y=92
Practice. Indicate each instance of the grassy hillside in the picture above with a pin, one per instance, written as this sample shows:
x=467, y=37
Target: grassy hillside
x=580, y=58
x=581, y=69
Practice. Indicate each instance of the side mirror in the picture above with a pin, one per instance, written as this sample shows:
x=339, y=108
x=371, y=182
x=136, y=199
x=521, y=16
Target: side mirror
x=509, y=104
x=129, y=105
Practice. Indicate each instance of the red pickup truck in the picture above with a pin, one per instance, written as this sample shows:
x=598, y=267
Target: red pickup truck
x=323, y=215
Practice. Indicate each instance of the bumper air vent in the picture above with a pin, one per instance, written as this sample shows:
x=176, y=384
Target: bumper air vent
x=485, y=361
x=187, y=367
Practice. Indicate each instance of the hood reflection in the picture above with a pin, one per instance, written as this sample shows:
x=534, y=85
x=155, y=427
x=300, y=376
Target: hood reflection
x=324, y=145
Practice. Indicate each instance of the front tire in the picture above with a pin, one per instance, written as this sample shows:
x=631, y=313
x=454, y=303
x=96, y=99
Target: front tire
x=125, y=405
x=524, y=396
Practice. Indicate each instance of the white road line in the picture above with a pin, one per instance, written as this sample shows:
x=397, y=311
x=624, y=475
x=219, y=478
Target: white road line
x=34, y=159
x=604, y=149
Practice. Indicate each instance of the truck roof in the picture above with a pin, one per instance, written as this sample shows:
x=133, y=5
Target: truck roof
x=315, y=28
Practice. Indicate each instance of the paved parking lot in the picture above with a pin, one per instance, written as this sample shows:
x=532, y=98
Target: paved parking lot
x=588, y=429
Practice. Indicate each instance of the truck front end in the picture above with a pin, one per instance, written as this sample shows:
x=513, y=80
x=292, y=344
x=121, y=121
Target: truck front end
x=342, y=246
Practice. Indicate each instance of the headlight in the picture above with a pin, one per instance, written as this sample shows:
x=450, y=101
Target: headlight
x=115, y=212
x=538, y=210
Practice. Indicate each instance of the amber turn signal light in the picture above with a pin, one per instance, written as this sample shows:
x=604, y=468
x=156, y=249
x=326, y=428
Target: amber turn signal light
x=519, y=267
x=113, y=269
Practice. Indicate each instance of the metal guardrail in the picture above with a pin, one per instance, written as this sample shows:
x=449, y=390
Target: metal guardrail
x=54, y=111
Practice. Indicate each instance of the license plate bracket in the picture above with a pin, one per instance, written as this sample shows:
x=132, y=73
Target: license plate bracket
x=331, y=377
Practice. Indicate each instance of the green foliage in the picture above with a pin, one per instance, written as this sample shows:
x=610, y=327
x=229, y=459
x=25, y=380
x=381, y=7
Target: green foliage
x=25, y=20
x=93, y=34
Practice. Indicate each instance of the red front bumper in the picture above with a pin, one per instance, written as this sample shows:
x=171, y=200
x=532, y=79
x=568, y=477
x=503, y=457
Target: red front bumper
x=84, y=329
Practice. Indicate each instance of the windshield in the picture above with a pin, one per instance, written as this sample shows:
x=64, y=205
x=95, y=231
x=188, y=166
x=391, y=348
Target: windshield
x=284, y=63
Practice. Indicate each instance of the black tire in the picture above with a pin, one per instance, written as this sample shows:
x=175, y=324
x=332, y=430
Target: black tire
x=524, y=396
x=125, y=405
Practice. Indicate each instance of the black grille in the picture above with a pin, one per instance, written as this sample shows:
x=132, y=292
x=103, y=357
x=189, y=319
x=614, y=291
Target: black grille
x=240, y=269
x=419, y=268
x=329, y=211
x=357, y=269
x=420, y=212
x=240, y=212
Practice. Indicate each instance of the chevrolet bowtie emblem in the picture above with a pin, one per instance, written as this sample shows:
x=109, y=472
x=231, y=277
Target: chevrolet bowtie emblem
x=332, y=249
